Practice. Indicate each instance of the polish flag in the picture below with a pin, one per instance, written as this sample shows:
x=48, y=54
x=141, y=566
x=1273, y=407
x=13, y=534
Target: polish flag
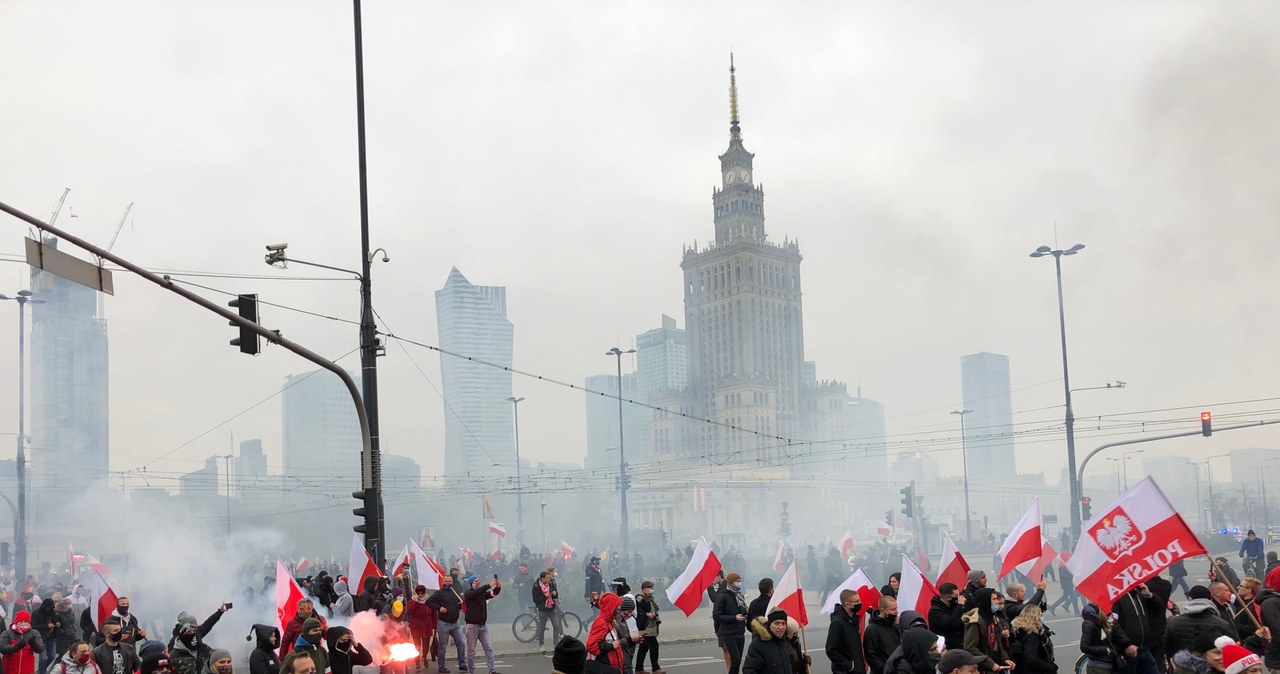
x=788, y=596
x=686, y=590
x=1035, y=569
x=402, y=561
x=288, y=594
x=496, y=554
x=102, y=600
x=858, y=582
x=429, y=573
x=1132, y=539
x=780, y=557
x=954, y=568
x=360, y=566
x=846, y=544
x=498, y=529
x=567, y=550
x=884, y=529
x=1023, y=543
x=303, y=565
x=96, y=565
x=914, y=590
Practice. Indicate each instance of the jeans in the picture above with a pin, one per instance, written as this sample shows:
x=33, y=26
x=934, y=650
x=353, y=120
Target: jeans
x=1180, y=582
x=479, y=633
x=555, y=617
x=650, y=646
x=443, y=631
x=733, y=646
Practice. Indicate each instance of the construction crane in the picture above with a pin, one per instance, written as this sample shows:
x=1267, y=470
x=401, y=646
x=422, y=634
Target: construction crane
x=58, y=209
x=119, y=226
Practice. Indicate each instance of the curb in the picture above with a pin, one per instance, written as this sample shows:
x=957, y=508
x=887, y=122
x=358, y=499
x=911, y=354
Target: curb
x=528, y=652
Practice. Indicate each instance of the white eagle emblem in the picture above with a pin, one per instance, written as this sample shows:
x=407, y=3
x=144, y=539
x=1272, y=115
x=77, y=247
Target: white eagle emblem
x=1116, y=534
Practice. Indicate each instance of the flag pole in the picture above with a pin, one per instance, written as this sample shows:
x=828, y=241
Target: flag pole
x=1219, y=575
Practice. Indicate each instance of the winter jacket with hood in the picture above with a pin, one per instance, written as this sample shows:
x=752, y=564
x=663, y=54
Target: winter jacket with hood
x=369, y=600
x=293, y=631
x=1186, y=662
x=69, y=665
x=422, y=618
x=477, y=602
x=41, y=619
x=187, y=652
x=1095, y=643
x=766, y=654
x=1269, y=600
x=1198, y=615
x=844, y=642
x=602, y=639
x=341, y=662
x=986, y=633
x=263, y=659
x=879, y=641
x=908, y=621
x=729, y=604
x=947, y=621
x=344, y=605
x=916, y=642
x=65, y=633
x=1133, y=621
x=1033, y=652
x=301, y=645
x=20, y=651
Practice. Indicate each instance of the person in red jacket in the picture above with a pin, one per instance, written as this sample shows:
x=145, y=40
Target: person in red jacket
x=20, y=646
x=422, y=624
x=603, y=643
x=293, y=630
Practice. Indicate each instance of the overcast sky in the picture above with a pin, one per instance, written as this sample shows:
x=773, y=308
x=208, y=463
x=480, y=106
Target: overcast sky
x=918, y=151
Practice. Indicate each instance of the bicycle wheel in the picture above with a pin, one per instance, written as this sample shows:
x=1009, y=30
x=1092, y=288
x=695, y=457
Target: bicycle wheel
x=525, y=628
x=1081, y=662
x=572, y=625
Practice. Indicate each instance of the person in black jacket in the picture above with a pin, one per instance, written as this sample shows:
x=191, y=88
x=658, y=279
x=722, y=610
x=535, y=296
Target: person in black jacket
x=344, y=652
x=729, y=613
x=476, y=601
x=1100, y=657
x=1161, y=590
x=919, y=653
x=448, y=602
x=881, y=636
x=985, y=631
x=761, y=604
x=187, y=651
x=263, y=659
x=770, y=651
x=1131, y=625
x=844, y=636
x=977, y=581
x=890, y=589
x=1032, y=646
x=945, y=615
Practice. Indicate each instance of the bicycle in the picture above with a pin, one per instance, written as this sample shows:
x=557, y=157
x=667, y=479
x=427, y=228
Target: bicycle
x=1253, y=567
x=525, y=625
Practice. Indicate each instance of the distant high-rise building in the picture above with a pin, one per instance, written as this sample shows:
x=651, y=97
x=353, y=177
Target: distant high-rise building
x=602, y=421
x=743, y=314
x=69, y=392
x=662, y=359
x=988, y=428
x=866, y=432
x=200, y=486
x=400, y=474
x=251, y=465
x=320, y=435
x=478, y=421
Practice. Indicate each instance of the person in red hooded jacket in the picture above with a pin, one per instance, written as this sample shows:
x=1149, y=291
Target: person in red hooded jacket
x=602, y=641
x=20, y=646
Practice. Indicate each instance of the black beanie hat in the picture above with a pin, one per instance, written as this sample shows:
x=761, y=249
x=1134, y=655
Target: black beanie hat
x=1198, y=592
x=152, y=662
x=570, y=656
x=776, y=614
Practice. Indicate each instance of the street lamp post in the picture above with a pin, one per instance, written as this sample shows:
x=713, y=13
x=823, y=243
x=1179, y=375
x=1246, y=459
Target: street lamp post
x=23, y=298
x=1119, y=489
x=1124, y=467
x=544, y=527
x=1043, y=251
x=964, y=458
x=1199, y=503
x=226, y=460
x=515, y=410
x=622, y=461
x=1208, y=467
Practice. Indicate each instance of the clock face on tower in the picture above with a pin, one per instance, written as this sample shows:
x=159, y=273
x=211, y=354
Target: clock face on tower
x=746, y=177
x=730, y=176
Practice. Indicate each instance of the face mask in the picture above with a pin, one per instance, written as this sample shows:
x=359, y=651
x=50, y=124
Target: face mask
x=223, y=669
x=122, y=610
x=995, y=608
x=21, y=628
x=737, y=585
x=933, y=659
x=84, y=659
x=313, y=639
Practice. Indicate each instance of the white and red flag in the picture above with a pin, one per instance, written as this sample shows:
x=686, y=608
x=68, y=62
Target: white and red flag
x=846, y=545
x=914, y=590
x=1023, y=543
x=303, y=565
x=1035, y=569
x=884, y=529
x=360, y=566
x=102, y=600
x=858, y=582
x=498, y=530
x=402, y=561
x=1129, y=541
x=788, y=596
x=954, y=568
x=288, y=594
x=780, y=558
x=567, y=550
x=686, y=590
x=429, y=573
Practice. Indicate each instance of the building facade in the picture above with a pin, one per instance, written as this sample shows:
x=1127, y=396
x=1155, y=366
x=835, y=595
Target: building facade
x=662, y=359
x=988, y=431
x=320, y=433
x=479, y=426
x=602, y=421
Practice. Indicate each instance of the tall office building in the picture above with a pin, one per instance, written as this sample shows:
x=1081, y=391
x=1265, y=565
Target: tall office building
x=69, y=395
x=988, y=431
x=320, y=433
x=602, y=421
x=868, y=458
x=662, y=359
x=478, y=421
x=743, y=315
x=251, y=466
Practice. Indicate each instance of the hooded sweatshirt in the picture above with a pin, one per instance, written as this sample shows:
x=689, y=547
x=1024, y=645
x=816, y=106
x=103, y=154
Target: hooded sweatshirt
x=263, y=659
x=602, y=640
x=986, y=633
x=188, y=652
x=1197, y=616
x=916, y=643
x=69, y=665
x=341, y=661
x=345, y=604
x=908, y=621
x=304, y=645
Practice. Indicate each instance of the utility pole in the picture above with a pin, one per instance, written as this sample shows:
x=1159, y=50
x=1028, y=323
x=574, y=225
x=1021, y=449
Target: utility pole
x=226, y=460
x=623, y=480
x=23, y=298
x=515, y=411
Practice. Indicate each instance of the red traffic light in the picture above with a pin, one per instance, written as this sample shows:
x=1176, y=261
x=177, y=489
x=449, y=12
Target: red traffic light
x=1206, y=416
x=1206, y=424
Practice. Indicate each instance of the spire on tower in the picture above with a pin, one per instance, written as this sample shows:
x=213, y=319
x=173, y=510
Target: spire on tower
x=733, y=95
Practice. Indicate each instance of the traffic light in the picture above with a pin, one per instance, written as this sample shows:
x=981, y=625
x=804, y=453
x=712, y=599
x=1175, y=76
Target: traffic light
x=1206, y=424
x=247, y=306
x=908, y=501
x=366, y=510
x=888, y=517
x=1086, y=508
x=5, y=558
x=785, y=529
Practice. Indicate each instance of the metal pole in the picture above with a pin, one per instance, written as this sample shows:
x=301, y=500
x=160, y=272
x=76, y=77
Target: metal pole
x=1124, y=469
x=371, y=466
x=1199, y=503
x=964, y=458
x=1209, y=468
x=20, y=535
x=544, y=527
x=515, y=410
x=226, y=460
x=622, y=469
x=1071, y=417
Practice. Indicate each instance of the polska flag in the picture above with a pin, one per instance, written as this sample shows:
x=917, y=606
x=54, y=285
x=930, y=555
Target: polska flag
x=360, y=566
x=914, y=590
x=789, y=597
x=102, y=600
x=858, y=582
x=954, y=568
x=685, y=592
x=1023, y=543
x=288, y=594
x=1132, y=539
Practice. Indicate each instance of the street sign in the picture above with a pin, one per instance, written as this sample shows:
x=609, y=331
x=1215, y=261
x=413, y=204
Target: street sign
x=43, y=256
x=1050, y=519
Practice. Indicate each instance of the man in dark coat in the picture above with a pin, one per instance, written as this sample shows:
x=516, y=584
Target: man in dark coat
x=1130, y=629
x=881, y=636
x=844, y=636
x=760, y=604
x=769, y=652
x=187, y=651
x=344, y=652
x=946, y=613
x=1198, y=615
